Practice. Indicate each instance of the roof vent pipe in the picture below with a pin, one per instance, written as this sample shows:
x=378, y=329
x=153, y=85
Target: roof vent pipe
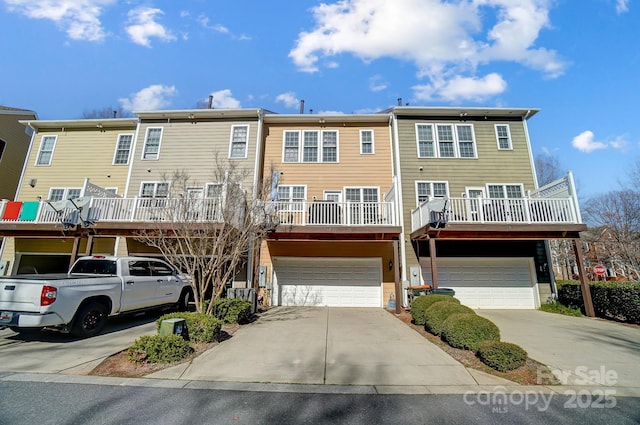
x=302, y=106
x=210, y=105
x=399, y=101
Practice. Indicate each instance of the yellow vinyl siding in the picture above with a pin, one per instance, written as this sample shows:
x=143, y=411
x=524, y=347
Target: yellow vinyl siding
x=191, y=148
x=352, y=169
x=101, y=246
x=15, y=152
x=78, y=154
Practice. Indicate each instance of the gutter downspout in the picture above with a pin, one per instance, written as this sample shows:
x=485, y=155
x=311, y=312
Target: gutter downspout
x=399, y=200
x=133, y=158
x=257, y=178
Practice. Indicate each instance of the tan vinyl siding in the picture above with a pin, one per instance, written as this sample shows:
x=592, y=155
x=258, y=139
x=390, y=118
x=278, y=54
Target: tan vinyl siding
x=78, y=154
x=15, y=152
x=191, y=148
x=101, y=246
x=352, y=169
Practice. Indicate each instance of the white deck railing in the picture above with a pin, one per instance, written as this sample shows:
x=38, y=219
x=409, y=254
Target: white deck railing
x=327, y=213
x=498, y=211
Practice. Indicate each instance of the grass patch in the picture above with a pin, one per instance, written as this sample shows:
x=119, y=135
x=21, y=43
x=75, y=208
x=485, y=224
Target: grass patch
x=561, y=309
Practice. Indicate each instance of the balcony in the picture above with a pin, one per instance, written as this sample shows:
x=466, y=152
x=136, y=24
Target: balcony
x=532, y=210
x=327, y=213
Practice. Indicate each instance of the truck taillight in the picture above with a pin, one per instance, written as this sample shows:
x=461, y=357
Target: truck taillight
x=48, y=295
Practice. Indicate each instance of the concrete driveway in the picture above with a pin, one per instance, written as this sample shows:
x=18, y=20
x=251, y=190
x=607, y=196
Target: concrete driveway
x=579, y=349
x=330, y=346
x=56, y=352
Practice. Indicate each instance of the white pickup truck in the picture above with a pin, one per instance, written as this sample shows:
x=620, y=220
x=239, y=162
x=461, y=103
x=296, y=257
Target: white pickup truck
x=96, y=287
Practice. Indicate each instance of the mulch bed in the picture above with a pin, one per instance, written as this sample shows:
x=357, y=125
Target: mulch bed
x=527, y=374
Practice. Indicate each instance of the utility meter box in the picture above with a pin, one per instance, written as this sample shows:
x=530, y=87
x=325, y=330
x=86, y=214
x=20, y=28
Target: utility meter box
x=175, y=326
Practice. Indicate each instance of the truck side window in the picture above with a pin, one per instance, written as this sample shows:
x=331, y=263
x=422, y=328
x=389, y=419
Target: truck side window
x=139, y=268
x=160, y=269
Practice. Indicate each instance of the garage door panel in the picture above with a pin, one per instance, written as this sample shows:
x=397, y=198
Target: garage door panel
x=490, y=283
x=335, y=282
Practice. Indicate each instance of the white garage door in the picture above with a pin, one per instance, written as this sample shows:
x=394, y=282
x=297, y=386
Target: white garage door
x=333, y=282
x=500, y=283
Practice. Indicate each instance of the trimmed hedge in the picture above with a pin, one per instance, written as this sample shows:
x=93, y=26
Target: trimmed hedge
x=466, y=331
x=232, y=310
x=201, y=327
x=611, y=300
x=159, y=349
x=437, y=313
x=501, y=356
x=420, y=304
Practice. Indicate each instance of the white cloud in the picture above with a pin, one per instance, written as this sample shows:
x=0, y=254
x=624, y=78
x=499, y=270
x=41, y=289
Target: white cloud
x=461, y=88
x=445, y=40
x=79, y=18
x=204, y=21
x=152, y=98
x=586, y=142
x=223, y=99
x=620, y=143
x=377, y=83
x=143, y=26
x=289, y=99
x=622, y=6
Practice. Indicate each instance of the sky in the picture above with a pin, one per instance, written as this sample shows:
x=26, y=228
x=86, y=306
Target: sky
x=576, y=61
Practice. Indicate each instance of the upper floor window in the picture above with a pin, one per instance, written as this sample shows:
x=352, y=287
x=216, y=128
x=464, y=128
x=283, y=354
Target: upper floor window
x=154, y=190
x=152, y=140
x=445, y=141
x=45, y=154
x=366, y=141
x=60, y=193
x=123, y=149
x=317, y=146
x=503, y=135
x=426, y=190
x=239, y=141
x=505, y=191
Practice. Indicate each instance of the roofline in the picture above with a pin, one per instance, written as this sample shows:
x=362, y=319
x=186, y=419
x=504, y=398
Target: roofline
x=81, y=123
x=524, y=113
x=15, y=111
x=333, y=118
x=201, y=113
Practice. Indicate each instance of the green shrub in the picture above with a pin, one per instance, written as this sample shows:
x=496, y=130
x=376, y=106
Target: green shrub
x=423, y=302
x=501, y=356
x=611, y=300
x=232, y=310
x=464, y=330
x=159, y=349
x=200, y=327
x=560, y=309
x=437, y=313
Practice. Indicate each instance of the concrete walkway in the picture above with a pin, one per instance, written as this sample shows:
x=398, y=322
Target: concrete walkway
x=578, y=349
x=329, y=346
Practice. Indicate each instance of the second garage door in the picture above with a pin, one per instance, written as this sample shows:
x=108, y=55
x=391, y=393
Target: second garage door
x=499, y=283
x=333, y=282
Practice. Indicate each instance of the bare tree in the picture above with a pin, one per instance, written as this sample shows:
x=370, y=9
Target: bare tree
x=211, y=237
x=107, y=112
x=548, y=169
x=615, y=217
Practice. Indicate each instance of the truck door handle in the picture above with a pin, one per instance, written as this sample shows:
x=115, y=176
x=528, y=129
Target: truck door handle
x=160, y=280
x=129, y=282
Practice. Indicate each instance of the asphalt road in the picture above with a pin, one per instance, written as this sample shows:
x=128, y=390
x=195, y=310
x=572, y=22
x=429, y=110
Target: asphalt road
x=57, y=404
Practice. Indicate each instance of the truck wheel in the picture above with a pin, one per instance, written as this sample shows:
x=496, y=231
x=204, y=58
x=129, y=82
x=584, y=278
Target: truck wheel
x=185, y=298
x=90, y=320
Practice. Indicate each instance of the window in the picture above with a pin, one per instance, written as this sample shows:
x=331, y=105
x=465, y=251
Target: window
x=294, y=196
x=239, y=140
x=45, y=154
x=503, y=136
x=317, y=146
x=310, y=146
x=152, y=143
x=427, y=190
x=446, y=141
x=214, y=190
x=2, y=145
x=366, y=141
x=123, y=149
x=291, y=146
x=365, y=209
x=139, y=268
x=154, y=190
x=60, y=193
x=509, y=191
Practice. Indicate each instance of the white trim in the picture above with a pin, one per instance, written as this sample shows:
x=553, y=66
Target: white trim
x=144, y=146
x=455, y=140
x=284, y=146
x=377, y=188
x=504, y=187
x=53, y=148
x=495, y=128
x=115, y=154
x=373, y=144
x=246, y=141
x=320, y=147
x=155, y=188
x=395, y=141
x=430, y=182
x=133, y=149
x=65, y=192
